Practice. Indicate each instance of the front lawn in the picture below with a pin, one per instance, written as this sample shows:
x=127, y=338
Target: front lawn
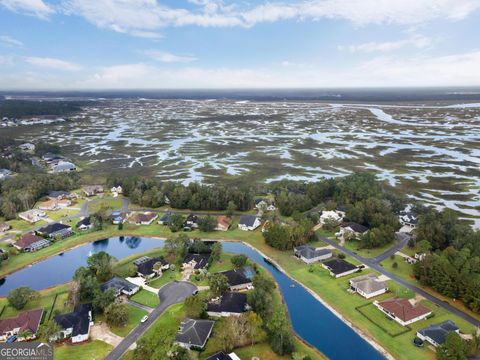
x=168, y=276
x=146, y=298
x=134, y=316
x=93, y=350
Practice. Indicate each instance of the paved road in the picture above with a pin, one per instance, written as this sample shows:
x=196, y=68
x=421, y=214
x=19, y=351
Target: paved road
x=373, y=264
x=400, y=243
x=170, y=294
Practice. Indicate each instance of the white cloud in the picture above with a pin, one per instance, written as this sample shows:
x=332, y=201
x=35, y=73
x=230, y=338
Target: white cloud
x=6, y=60
x=417, y=41
x=36, y=8
x=52, y=63
x=167, y=57
x=9, y=41
x=137, y=16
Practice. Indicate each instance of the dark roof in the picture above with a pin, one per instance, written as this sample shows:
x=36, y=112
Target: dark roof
x=239, y=276
x=146, y=267
x=219, y=356
x=192, y=218
x=78, y=319
x=86, y=221
x=247, y=220
x=309, y=252
x=53, y=228
x=439, y=332
x=231, y=302
x=339, y=266
x=58, y=193
x=194, y=332
x=118, y=283
x=201, y=259
x=167, y=217
x=355, y=227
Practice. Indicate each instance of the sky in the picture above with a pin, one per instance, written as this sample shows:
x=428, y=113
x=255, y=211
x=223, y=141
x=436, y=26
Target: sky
x=170, y=44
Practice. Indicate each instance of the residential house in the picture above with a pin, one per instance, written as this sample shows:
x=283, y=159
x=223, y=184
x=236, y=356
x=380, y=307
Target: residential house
x=191, y=222
x=118, y=217
x=223, y=223
x=403, y=311
x=194, y=333
x=229, y=304
x=116, y=190
x=85, y=223
x=166, y=218
x=142, y=218
x=145, y=266
x=339, y=267
x=268, y=204
x=33, y=215
x=223, y=356
x=48, y=205
x=121, y=286
x=310, y=255
x=30, y=242
x=60, y=195
x=4, y=227
x=5, y=174
x=239, y=279
x=351, y=230
x=436, y=334
x=248, y=222
x=92, y=190
x=409, y=219
x=75, y=325
x=195, y=261
x=368, y=285
x=55, y=230
x=26, y=322
x=332, y=216
x=63, y=166
x=341, y=210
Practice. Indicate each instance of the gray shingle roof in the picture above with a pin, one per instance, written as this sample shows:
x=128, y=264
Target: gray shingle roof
x=194, y=332
x=439, y=332
x=309, y=252
x=247, y=220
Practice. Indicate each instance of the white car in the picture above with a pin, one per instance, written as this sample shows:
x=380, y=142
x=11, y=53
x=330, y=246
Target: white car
x=145, y=318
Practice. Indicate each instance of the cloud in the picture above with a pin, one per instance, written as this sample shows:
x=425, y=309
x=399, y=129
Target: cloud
x=9, y=41
x=167, y=57
x=417, y=41
x=52, y=63
x=147, y=16
x=29, y=7
x=6, y=60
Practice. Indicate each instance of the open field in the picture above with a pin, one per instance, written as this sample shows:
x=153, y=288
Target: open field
x=146, y=298
x=430, y=150
x=93, y=350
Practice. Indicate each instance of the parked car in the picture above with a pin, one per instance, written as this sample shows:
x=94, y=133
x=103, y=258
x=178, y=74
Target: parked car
x=145, y=318
x=11, y=339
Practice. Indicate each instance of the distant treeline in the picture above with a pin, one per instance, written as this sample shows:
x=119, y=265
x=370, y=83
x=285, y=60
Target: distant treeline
x=21, y=108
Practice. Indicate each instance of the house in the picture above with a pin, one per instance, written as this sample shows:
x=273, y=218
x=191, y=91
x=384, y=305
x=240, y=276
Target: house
x=84, y=224
x=145, y=218
x=339, y=267
x=194, y=333
x=166, y=218
x=60, y=195
x=368, y=285
x=145, y=266
x=223, y=223
x=403, y=311
x=4, y=227
x=239, y=279
x=223, y=356
x=436, y=334
x=32, y=216
x=48, y=205
x=24, y=322
x=75, y=325
x=409, y=219
x=118, y=217
x=341, y=210
x=248, y=222
x=121, y=286
x=5, y=174
x=92, y=190
x=419, y=256
x=50, y=157
x=191, y=222
x=332, y=216
x=229, y=304
x=30, y=242
x=63, y=166
x=268, y=204
x=310, y=255
x=195, y=261
x=116, y=190
x=27, y=147
x=351, y=230
x=55, y=230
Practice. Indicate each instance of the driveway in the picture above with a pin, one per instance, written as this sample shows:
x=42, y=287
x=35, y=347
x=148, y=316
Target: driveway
x=170, y=294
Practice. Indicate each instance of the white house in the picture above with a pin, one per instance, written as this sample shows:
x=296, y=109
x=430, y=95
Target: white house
x=368, y=286
x=75, y=325
x=116, y=190
x=32, y=216
x=249, y=222
x=27, y=147
x=403, y=311
x=351, y=229
x=330, y=216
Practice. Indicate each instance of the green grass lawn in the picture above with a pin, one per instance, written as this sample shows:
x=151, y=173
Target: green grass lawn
x=403, y=269
x=354, y=246
x=167, y=277
x=146, y=298
x=113, y=204
x=134, y=316
x=58, y=215
x=371, y=312
x=93, y=350
x=22, y=225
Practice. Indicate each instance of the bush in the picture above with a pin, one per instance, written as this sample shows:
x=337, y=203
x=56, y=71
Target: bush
x=394, y=265
x=239, y=260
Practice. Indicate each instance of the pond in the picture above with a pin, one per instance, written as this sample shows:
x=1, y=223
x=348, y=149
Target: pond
x=311, y=320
